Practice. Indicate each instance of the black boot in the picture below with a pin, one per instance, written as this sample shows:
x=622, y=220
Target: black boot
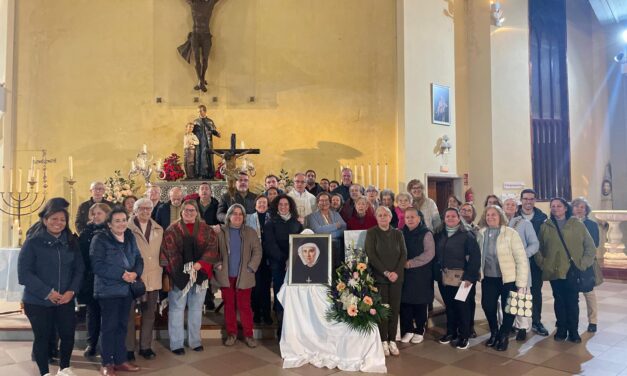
x=492, y=341
x=502, y=343
x=521, y=335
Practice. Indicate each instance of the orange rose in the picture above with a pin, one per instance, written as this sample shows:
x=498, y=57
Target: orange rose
x=362, y=266
x=340, y=287
x=368, y=300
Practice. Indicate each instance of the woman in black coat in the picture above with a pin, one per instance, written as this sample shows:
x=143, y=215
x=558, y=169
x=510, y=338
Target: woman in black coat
x=457, y=253
x=276, y=243
x=97, y=217
x=51, y=269
x=417, y=291
x=117, y=263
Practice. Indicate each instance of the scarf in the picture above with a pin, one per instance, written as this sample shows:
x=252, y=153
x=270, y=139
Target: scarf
x=186, y=278
x=451, y=230
x=285, y=217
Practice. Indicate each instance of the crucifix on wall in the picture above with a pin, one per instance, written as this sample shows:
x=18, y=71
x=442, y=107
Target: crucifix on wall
x=199, y=39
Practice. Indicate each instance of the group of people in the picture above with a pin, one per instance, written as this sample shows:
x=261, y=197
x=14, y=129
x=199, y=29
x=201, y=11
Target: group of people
x=131, y=257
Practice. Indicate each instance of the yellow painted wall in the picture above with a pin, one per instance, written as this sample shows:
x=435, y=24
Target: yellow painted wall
x=89, y=72
x=426, y=55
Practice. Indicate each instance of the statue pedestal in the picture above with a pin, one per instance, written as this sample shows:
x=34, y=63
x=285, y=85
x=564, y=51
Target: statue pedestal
x=218, y=187
x=614, y=264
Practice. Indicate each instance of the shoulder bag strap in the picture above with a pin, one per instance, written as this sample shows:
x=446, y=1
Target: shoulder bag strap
x=559, y=232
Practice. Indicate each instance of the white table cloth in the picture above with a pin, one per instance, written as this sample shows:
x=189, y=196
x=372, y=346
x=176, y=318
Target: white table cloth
x=10, y=289
x=307, y=337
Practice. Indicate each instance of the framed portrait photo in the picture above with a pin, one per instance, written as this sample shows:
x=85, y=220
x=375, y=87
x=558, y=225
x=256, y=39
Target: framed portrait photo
x=310, y=260
x=440, y=105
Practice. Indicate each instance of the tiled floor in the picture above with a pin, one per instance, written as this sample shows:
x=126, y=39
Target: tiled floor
x=602, y=353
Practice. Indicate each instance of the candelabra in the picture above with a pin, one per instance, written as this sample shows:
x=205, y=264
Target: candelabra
x=142, y=165
x=21, y=204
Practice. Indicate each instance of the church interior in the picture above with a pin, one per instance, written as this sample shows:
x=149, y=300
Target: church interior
x=532, y=94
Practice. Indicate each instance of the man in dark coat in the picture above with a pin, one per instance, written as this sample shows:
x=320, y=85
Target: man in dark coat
x=171, y=210
x=528, y=210
x=347, y=181
x=242, y=196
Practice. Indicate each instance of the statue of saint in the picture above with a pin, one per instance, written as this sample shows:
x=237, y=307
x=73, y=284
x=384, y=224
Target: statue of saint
x=190, y=141
x=204, y=129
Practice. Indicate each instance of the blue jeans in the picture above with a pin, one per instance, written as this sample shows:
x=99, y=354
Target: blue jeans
x=194, y=301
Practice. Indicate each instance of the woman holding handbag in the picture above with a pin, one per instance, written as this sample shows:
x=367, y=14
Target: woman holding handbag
x=566, y=250
x=457, y=262
x=148, y=235
x=505, y=268
x=118, y=266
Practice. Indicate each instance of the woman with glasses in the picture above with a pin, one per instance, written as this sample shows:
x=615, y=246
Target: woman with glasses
x=188, y=252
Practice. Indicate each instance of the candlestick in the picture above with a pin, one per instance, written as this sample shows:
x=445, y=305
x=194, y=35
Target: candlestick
x=369, y=174
x=32, y=163
x=242, y=144
x=356, y=174
x=16, y=234
x=145, y=149
x=37, y=182
x=71, y=162
x=385, y=177
x=378, y=181
x=10, y=180
x=19, y=180
x=363, y=176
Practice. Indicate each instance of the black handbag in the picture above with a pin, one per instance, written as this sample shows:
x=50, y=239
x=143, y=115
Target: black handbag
x=138, y=288
x=583, y=281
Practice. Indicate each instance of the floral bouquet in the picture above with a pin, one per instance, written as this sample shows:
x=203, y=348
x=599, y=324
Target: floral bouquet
x=117, y=188
x=355, y=299
x=172, y=169
x=285, y=182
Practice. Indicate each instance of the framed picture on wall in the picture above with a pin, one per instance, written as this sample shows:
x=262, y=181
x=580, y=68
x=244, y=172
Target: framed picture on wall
x=310, y=260
x=440, y=105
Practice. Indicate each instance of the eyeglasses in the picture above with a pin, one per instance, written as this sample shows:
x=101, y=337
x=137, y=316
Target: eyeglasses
x=528, y=199
x=189, y=210
x=145, y=208
x=299, y=181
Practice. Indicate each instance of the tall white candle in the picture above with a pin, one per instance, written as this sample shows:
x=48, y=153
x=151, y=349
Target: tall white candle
x=378, y=180
x=369, y=174
x=11, y=180
x=356, y=176
x=243, y=146
x=385, y=177
x=19, y=180
x=145, y=149
x=32, y=163
x=71, y=162
x=363, y=176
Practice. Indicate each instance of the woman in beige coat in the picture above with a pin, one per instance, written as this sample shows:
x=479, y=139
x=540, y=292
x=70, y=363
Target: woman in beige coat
x=234, y=273
x=148, y=235
x=504, y=267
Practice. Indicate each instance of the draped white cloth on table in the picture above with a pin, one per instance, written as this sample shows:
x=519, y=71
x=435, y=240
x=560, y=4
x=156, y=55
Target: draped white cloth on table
x=308, y=337
x=10, y=289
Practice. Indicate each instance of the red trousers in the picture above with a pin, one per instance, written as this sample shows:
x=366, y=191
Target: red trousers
x=240, y=298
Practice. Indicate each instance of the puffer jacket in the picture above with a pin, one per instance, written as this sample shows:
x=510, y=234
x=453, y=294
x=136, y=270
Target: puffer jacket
x=511, y=255
x=86, y=295
x=109, y=263
x=552, y=258
x=48, y=263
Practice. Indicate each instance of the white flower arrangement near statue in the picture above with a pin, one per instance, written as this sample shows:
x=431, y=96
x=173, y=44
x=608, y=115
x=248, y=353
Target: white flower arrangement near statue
x=354, y=298
x=117, y=188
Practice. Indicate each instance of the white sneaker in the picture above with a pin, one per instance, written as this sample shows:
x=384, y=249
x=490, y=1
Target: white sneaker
x=66, y=372
x=386, y=348
x=393, y=349
x=417, y=338
x=407, y=337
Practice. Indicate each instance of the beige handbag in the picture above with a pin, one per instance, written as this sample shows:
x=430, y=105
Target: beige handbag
x=452, y=277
